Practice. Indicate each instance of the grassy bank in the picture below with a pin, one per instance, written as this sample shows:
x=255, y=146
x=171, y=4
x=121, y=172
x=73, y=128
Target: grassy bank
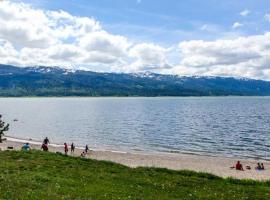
x=38, y=175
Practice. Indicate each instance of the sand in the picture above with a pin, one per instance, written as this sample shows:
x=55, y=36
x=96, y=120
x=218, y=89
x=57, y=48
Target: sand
x=219, y=166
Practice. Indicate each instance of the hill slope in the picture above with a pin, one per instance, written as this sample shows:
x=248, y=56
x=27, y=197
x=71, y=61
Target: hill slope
x=43, y=175
x=46, y=81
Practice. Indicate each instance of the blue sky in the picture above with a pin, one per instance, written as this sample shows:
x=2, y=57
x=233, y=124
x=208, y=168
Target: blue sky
x=169, y=21
x=191, y=37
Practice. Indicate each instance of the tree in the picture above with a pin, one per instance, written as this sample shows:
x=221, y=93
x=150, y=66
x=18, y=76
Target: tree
x=3, y=128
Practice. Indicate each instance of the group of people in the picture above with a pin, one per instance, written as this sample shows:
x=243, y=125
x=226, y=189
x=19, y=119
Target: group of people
x=45, y=147
x=260, y=166
x=239, y=166
x=66, y=149
x=72, y=149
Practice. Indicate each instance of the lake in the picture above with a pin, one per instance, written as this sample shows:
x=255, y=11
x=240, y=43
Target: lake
x=222, y=126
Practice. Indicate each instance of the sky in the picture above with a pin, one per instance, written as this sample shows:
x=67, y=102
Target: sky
x=187, y=37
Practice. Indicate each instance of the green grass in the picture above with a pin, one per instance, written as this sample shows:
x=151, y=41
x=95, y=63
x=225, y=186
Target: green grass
x=41, y=175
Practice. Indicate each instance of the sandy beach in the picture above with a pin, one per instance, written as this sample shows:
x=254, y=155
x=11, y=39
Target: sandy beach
x=219, y=166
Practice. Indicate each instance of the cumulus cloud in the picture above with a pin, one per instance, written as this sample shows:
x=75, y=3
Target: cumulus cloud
x=30, y=37
x=27, y=27
x=8, y=53
x=106, y=43
x=149, y=56
x=55, y=37
x=243, y=56
x=38, y=37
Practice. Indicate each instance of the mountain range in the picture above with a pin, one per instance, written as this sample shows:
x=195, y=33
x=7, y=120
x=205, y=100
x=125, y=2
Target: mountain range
x=55, y=81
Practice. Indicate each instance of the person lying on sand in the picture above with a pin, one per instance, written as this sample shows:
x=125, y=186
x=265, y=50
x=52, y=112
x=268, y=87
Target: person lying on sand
x=238, y=166
x=26, y=147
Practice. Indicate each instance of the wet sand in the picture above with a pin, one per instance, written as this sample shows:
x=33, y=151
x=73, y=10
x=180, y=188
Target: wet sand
x=219, y=166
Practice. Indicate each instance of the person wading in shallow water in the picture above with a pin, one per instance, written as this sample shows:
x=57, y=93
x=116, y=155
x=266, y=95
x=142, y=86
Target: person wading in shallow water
x=72, y=148
x=46, y=141
x=86, y=149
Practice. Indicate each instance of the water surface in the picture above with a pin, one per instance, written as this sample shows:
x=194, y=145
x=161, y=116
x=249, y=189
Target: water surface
x=226, y=126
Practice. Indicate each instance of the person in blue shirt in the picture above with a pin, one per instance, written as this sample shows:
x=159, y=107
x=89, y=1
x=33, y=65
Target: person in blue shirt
x=26, y=147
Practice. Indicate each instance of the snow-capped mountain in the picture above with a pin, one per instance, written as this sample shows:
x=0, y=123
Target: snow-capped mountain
x=56, y=81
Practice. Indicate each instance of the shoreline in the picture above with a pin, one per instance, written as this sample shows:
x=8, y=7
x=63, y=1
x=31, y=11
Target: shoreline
x=213, y=96
x=140, y=151
x=219, y=166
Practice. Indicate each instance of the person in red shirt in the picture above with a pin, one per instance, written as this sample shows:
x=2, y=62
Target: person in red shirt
x=239, y=166
x=66, y=148
x=44, y=147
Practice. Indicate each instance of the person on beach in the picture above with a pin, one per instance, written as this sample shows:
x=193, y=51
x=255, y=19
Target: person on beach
x=46, y=141
x=258, y=167
x=72, y=148
x=86, y=149
x=44, y=147
x=66, y=148
x=262, y=166
x=26, y=147
x=238, y=166
x=83, y=154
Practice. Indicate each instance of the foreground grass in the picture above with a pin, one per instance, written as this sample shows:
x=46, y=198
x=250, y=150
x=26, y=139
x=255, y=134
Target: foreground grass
x=39, y=175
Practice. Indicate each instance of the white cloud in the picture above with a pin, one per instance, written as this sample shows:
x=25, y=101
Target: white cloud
x=30, y=37
x=8, y=53
x=102, y=41
x=244, y=13
x=148, y=57
x=243, y=56
x=27, y=27
x=56, y=37
x=237, y=25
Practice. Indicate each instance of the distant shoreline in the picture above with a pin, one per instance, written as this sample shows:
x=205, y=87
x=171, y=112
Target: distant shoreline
x=221, y=96
x=219, y=166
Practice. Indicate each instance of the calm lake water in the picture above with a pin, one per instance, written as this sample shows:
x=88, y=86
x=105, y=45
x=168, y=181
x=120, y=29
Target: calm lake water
x=227, y=126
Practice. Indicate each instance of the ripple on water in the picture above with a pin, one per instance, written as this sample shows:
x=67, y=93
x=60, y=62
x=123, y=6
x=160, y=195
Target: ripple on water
x=227, y=126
